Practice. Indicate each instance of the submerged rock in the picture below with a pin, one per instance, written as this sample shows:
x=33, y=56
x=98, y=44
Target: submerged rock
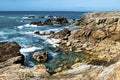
x=40, y=56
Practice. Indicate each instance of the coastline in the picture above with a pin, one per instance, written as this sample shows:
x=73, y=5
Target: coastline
x=97, y=38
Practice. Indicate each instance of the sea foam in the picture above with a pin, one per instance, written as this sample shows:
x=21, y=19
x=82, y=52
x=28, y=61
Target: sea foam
x=29, y=49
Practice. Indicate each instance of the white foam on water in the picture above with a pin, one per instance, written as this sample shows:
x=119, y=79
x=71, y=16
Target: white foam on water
x=53, y=53
x=20, y=27
x=29, y=49
x=52, y=41
x=28, y=25
x=24, y=17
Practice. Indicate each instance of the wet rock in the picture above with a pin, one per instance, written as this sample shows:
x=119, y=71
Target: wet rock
x=61, y=21
x=40, y=56
x=52, y=32
x=36, y=23
x=9, y=50
x=48, y=22
x=60, y=35
x=37, y=32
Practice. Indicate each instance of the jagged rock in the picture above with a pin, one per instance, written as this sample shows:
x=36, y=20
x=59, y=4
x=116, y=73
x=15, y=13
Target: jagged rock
x=60, y=35
x=48, y=22
x=36, y=23
x=40, y=56
x=9, y=50
x=60, y=21
x=37, y=32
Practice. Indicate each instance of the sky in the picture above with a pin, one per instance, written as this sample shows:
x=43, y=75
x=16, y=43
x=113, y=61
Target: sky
x=59, y=5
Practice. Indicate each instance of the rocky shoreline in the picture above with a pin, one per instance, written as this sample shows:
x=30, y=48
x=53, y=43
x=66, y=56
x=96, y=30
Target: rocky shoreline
x=97, y=41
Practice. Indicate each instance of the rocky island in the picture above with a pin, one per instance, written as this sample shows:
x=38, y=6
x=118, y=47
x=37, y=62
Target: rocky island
x=97, y=41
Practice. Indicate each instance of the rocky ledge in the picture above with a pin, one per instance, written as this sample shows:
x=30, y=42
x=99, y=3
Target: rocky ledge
x=99, y=38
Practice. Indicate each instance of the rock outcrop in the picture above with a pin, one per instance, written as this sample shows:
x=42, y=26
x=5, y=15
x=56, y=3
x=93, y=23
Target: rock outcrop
x=9, y=50
x=52, y=21
x=62, y=34
x=99, y=37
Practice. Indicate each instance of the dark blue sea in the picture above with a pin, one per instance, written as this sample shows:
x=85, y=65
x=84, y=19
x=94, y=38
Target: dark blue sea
x=14, y=29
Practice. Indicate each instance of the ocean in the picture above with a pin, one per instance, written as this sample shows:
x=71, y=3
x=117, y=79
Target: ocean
x=14, y=29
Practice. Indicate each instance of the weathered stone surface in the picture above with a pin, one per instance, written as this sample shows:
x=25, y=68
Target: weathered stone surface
x=18, y=72
x=11, y=61
x=9, y=50
x=40, y=56
x=98, y=34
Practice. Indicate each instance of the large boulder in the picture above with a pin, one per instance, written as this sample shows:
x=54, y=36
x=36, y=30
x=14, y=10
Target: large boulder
x=40, y=56
x=9, y=50
x=62, y=34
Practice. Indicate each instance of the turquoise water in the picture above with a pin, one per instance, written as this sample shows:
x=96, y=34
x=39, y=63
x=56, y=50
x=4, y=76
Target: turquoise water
x=12, y=28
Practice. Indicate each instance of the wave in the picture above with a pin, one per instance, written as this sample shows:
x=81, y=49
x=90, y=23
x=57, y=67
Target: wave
x=24, y=17
x=19, y=27
x=52, y=41
x=29, y=49
x=28, y=25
